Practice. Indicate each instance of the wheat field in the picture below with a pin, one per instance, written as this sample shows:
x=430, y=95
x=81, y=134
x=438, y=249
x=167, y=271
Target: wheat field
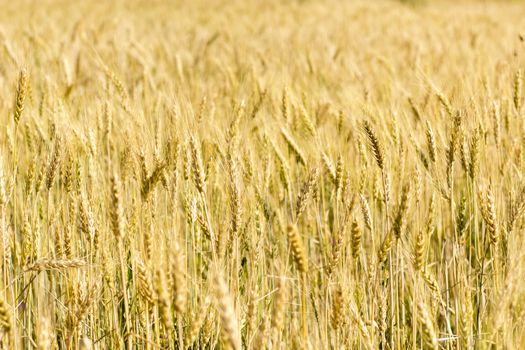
x=262, y=174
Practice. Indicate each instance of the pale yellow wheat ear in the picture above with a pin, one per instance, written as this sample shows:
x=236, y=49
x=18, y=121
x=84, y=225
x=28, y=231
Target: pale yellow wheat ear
x=21, y=92
x=461, y=218
x=356, y=239
x=259, y=103
x=145, y=281
x=55, y=264
x=305, y=193
x=432, y=285
x=6, y=321
x=445, y=103
x=44, y=334
x=466, y=320
x=197, y=167
x=427, y=326
x=285, y=104
x=386, y=245
x=455, y=137
x=474, y=155
x=365, y=210
x=414, y=108
x=337, y=246
x=179, y=283
x=86, y=218
x=6, y=244
x=419, y=251
x=294, y=147
x=361, y=327
x=402, y=210
x=518, y=208
x=116, y=214
x=197, y=322
x=338, y=308
x=339, y=174
x=235, y=195
x=307, y=121
x=278, y=307
x=230, y=331
x=488, y=212
x=329, y=166
x=431, y=143
x=375, y=144
x=54, y=163
x=518, y=86
x=149, y=183
x=163, y=299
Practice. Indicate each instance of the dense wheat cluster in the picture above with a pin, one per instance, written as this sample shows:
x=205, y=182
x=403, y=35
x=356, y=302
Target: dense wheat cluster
x=262, y=175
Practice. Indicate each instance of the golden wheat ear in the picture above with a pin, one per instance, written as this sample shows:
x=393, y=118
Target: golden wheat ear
x=298, y=250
